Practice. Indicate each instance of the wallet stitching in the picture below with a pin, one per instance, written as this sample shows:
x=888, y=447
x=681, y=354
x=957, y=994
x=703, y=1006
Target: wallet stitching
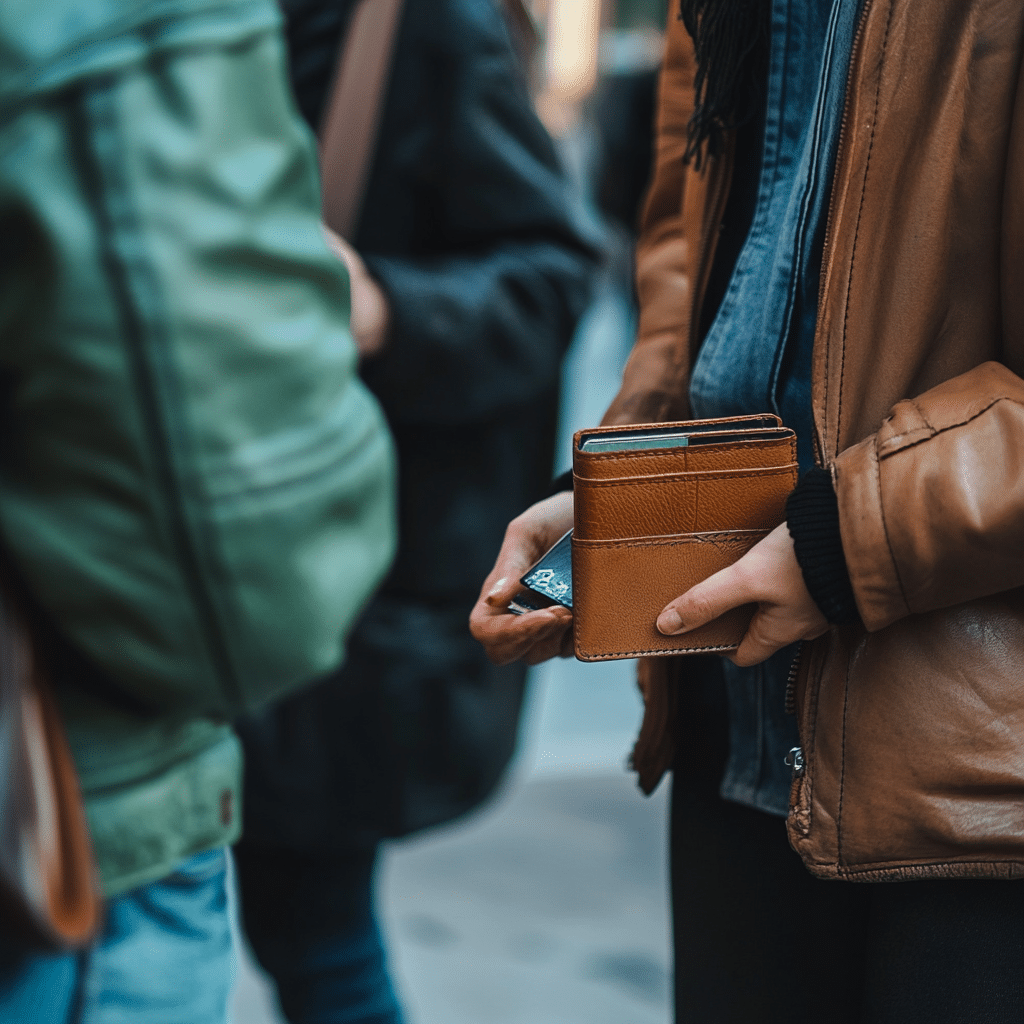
x=721, y=474
x=715, y=537
x=607, y=656
x=707, y=421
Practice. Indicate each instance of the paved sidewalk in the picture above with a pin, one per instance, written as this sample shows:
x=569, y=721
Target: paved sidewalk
x=552, y=911
x=550, y=906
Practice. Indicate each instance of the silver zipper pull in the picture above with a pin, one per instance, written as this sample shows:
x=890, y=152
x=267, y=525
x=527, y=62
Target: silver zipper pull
x=795, y=760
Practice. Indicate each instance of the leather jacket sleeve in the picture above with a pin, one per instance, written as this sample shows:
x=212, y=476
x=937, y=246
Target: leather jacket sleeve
x=655, y=381
x=932, y=505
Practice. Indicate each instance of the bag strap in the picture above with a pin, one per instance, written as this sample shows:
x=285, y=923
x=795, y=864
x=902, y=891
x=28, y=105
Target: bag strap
x=49, y=896
x=523, y=32
x=348, y=132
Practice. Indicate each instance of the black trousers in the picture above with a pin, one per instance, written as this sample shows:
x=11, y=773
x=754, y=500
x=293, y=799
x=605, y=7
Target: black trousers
x=759, y=940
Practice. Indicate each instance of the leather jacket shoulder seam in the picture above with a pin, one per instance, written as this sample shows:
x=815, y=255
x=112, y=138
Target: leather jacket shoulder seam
x=894, y=446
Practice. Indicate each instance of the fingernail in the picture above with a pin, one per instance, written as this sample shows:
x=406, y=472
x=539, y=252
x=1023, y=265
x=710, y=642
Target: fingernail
x=498, y=587
x=669, y=622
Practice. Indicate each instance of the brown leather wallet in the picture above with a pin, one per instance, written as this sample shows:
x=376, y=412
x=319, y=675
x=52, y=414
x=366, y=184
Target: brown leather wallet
x=650, y=522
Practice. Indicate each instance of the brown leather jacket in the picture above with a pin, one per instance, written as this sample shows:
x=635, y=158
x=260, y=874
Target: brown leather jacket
x=912, y=726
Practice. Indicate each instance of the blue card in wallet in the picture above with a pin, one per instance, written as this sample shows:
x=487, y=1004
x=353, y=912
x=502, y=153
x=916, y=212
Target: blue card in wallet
x=550, y=578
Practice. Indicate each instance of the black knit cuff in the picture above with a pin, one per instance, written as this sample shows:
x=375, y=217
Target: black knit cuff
x=560, y=483
x=812, y=514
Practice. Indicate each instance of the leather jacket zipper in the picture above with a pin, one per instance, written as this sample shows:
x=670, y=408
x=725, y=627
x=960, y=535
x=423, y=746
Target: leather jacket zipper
x=841, y=146
x=796, y=758
x=794, y=671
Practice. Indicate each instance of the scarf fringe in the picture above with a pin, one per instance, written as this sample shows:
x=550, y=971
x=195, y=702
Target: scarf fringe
x=731, y=43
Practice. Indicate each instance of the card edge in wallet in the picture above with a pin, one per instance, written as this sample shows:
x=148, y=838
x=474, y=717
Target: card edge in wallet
x=540, y=561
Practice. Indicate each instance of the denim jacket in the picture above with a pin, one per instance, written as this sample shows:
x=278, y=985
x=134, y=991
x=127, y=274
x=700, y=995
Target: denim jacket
x=756, y=356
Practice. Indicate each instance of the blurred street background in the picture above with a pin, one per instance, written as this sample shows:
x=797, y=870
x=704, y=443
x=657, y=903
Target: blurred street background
x=549, y=905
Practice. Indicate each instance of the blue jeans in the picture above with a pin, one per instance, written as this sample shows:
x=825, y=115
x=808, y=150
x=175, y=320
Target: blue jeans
x=165, y=956
x=310, y=921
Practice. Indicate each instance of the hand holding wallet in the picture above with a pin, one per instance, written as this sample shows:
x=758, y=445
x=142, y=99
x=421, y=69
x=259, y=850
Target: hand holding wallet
x=657, y=510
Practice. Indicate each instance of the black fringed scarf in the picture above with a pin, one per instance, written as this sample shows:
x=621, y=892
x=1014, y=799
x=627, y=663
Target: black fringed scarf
x=731, y=42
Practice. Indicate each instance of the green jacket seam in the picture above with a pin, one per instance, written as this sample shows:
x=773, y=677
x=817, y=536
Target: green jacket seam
x=98, y=109
x=48, y=76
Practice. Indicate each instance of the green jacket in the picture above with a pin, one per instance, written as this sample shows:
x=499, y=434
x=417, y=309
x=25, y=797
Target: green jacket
x=194, y=485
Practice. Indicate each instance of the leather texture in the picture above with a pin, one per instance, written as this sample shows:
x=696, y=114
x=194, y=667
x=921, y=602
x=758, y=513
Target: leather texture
x=49, y=893
x=650, y=524
x=348, y=134
x=912, y=724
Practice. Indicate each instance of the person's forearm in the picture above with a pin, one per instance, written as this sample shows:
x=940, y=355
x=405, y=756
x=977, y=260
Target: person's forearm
x=812, y=517
x=473, y=335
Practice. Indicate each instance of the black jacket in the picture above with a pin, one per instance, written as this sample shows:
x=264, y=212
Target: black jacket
x=469, y=225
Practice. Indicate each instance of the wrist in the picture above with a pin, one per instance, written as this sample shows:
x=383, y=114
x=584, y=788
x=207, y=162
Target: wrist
x=371, y=316
x=812, y=517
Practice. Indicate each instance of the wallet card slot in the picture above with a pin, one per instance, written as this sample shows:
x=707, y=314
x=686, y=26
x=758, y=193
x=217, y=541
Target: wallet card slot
x=621, y=586
x=690, y=503
x=631, y=440
x=734, y=455
x=674, y=474
x=652, y=431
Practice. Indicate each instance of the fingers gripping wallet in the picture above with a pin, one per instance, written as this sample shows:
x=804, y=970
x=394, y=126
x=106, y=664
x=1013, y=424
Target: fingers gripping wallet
x=657, y=510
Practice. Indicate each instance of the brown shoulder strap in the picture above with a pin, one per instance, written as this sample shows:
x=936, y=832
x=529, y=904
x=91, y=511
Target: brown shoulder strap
x=523, y=30
x=49, y=898
x=348, y=132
